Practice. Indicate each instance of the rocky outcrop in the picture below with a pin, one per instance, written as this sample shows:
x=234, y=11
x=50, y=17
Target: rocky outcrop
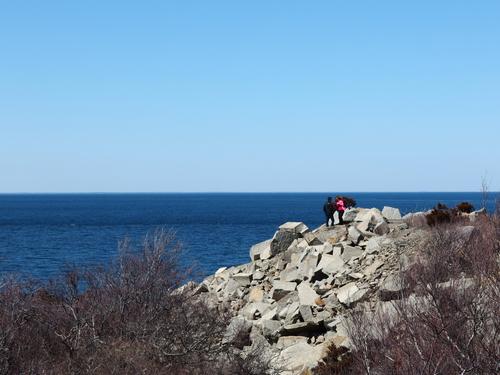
x=296, y=292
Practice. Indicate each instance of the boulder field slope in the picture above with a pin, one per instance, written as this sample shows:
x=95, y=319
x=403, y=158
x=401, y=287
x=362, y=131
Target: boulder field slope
x=295, y=295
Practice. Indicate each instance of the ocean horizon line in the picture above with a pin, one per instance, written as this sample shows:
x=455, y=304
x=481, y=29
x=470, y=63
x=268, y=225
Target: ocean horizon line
x=247, y=192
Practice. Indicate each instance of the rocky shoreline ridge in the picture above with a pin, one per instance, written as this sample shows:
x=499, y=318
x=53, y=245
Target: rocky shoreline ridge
x=295, y=295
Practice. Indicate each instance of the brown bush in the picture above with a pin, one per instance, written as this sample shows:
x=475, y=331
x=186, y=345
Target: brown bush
x=447, y=320
x=349, y=202
x=130, y=318
x=441, y=206
x=438, y=216
x=465, y=207
x=441, y=214
x=338, y=361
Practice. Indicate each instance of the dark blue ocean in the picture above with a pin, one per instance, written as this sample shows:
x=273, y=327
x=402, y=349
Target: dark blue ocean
x=41, y=234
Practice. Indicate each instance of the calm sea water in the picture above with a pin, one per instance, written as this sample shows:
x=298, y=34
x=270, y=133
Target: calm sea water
x=40, y=234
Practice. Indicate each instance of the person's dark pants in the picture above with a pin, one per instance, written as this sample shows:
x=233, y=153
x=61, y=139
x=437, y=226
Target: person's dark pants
x=341, y=217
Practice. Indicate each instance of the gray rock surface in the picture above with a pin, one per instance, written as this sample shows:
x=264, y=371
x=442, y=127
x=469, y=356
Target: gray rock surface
x=381, y=228
x=262, y=247
x=391, y=213
x=295, y=294
x=354, y=235
x=307, y=296
x=330, y=264
x=350, y=215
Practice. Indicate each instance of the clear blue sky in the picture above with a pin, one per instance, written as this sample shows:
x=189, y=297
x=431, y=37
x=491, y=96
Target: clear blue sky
x=249, y=96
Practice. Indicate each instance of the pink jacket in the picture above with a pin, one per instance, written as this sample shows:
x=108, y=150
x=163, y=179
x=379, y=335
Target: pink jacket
x=340, y=205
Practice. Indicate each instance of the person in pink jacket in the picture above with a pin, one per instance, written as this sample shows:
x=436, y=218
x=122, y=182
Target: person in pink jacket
x=340, y=208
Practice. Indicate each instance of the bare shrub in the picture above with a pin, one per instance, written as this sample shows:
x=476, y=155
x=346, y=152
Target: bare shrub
x=349, y=202
x=437, y=217
x=465, y=207
x=441, y=214
x=485, y=191
x=446, y=321
x=127, y=318
x=338, y=361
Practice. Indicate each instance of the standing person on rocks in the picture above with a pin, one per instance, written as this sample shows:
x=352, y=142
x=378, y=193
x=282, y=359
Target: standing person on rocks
x=339, y=202
x=329, y=209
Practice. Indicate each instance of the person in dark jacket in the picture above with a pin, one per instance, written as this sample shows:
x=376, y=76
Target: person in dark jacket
x=329, y=210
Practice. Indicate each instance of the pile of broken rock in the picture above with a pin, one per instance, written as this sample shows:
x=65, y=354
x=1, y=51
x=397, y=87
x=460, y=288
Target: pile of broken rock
x=294, y=295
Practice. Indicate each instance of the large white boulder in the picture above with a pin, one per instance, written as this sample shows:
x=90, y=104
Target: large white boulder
x=354, y=235
x=262, y=250
x=368, y=219
x=391, y=213
x=307, y=296
x=350, y=215
x=282, y=240
x=243, y=279
x=350, y=293
x=373, y=245
x=330, y=264
x=290, y=273
x=299, y=357
x=295, y=227
x=351, y=252
x=307, y=266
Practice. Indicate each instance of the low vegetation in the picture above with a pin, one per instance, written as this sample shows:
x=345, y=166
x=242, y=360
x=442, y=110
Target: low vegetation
x=441, y=214
x=349, y=202
x=128, y=318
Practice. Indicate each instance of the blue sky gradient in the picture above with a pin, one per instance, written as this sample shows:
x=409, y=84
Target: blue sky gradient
x=124, y=96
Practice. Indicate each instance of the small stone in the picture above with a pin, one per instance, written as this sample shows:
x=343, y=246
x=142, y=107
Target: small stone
x=319, y=302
